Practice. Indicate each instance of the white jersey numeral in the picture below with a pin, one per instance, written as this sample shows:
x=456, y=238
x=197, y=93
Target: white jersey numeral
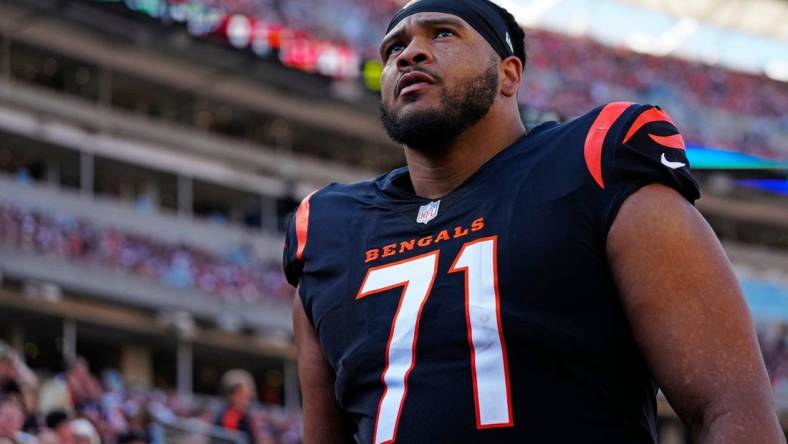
x=478, y=260
x=416, y=275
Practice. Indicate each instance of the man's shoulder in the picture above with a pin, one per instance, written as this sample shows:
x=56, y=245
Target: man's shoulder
x=604, y=136
x=604, y=116
x=581, y=130
x=322, y=222
x=347, y=196
x=336, y=204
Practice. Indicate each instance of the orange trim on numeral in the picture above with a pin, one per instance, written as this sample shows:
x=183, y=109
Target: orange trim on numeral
x=454, y=269
x=404, y=283
x=489, y=386
x=361, y=295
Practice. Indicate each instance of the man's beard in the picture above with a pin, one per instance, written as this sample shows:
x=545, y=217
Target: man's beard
x=435, y=129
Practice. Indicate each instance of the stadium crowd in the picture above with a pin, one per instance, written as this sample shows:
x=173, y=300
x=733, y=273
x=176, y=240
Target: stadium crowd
x=713, y=106
x=580, y=59
x=569, y=75
x=74, y=407
x=235, y=276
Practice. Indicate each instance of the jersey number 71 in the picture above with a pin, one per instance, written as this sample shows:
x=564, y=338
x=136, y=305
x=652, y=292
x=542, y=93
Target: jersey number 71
x=478, y=261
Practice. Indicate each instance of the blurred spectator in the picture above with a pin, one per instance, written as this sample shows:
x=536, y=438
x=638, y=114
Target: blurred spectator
x=7, y=367
x=84, y=432
x=239, y=390
x=59, y=425
x=83, y=386
x=54, y=395
x=17, y=379
x=11, y=420
x=10, y=390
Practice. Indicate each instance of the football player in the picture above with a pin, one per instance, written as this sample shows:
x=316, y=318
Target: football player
x=511, y=286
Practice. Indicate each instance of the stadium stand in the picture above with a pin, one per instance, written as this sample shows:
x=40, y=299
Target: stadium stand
x=237, y=276
x=571, y=73
x=717, y=107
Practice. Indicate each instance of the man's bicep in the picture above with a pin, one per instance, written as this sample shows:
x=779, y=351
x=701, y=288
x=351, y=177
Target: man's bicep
x=324, y=422
x=684, y=305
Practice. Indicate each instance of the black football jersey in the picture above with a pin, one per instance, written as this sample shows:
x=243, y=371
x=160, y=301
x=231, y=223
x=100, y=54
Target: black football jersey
x=489, y=315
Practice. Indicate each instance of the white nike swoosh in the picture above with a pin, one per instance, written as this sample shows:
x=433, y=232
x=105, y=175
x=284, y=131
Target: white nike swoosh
x=669, y=164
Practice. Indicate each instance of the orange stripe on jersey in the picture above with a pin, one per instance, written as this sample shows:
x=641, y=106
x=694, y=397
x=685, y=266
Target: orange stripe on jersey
x=675, y=141
x=596, y=138
x=302, y=225
x=651, y=115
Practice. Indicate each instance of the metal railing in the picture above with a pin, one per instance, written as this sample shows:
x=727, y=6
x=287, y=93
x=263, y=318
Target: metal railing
x=184, y=431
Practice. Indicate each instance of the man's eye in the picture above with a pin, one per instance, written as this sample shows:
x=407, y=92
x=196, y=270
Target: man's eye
x=394, y=47
x=445, y=33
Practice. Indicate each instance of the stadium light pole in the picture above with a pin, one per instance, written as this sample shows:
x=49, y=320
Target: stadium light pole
x=69, y=340
x=292, y=401
x=86, y=173
x=185, y=190
x=104, y=96
x=184, y=365
x=268, y=213
x=5, y=57
x=18, y=339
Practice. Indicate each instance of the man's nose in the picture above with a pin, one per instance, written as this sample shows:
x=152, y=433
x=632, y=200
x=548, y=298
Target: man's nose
x=417, y=52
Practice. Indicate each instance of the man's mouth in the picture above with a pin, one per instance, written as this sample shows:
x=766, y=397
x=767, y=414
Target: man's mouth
x=412, y=82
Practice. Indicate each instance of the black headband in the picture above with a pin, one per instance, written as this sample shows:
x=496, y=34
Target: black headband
x=483, y=15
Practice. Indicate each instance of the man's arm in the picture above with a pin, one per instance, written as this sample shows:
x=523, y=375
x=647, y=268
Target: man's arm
x=690, y=320
x=323, y=419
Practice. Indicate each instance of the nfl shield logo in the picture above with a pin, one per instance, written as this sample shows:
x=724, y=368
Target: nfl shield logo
x=428, y=212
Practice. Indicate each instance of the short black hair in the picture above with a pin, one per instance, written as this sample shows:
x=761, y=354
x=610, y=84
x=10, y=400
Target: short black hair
x=55, y=418
x=129, y=437
x=10, y=387
x=516, y=32
x=12, y=399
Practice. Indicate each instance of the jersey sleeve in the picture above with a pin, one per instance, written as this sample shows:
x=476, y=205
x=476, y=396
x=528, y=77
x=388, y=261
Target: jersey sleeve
x=296, y=237
x=291, y=264
x=646, y=148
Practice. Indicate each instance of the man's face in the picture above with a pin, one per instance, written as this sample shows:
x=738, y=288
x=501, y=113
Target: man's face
x=241, y=396
x=440, y=77
x=11, y=418
x=81, y=439
x=65, y=433
x=7, y=369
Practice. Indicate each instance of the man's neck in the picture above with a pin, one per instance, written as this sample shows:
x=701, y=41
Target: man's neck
x=435, y=175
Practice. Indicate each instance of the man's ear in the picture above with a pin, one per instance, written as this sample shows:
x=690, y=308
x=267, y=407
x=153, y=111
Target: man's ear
x=511, y=75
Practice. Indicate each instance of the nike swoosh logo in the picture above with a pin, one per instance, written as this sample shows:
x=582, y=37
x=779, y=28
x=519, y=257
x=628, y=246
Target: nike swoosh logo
x=669, y=164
